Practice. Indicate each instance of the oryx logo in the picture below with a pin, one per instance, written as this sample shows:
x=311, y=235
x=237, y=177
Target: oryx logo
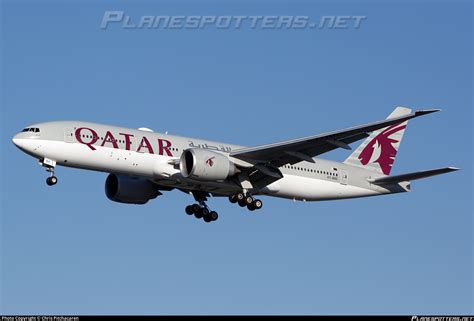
x=382, y=149
x=210, y=161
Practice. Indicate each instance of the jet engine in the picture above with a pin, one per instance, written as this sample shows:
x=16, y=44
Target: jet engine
x=205, y=165
x=130, y=190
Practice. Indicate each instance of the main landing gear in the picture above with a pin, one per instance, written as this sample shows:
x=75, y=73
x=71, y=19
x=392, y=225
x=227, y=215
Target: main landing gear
x=201, y=210
x=246, y=200
x=49, y=164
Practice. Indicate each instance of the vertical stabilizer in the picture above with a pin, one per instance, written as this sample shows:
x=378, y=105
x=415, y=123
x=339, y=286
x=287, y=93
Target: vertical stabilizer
x=378, y=151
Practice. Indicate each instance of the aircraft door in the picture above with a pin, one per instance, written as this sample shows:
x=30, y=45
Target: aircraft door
x=344, y=177
x=68, y=135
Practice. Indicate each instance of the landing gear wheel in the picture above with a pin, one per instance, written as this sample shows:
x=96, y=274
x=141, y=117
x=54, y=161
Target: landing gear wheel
x=242, y=203
x=251, y=207
x=205, y=212
x=257, y=204
x=189, y=210
x=207, y=219
x=240, y=196
x=51, y=180
x=196, y=208
x=213, y=215
x=198, y=214
x=248, y=200
x=233, y=199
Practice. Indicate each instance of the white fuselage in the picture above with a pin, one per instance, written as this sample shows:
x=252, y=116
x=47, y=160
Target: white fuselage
x=154, y=156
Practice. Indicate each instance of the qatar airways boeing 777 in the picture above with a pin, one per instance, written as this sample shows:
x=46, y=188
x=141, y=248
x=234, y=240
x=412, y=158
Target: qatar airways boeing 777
x=143, y=163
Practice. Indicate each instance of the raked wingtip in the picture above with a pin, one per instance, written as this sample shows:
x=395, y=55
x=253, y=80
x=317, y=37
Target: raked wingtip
x=427, y=111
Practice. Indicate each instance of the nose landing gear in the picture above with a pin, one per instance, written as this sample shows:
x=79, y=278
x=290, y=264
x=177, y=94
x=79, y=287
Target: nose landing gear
x=49, y=164
x=52, y=180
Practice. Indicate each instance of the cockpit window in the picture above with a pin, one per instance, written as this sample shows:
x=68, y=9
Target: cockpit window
x=31, y=129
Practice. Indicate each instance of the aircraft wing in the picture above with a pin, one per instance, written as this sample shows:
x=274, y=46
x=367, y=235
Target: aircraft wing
x=267, y=158
x=304, y=149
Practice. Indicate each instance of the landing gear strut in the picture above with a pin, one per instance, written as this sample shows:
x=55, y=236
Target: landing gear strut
x=246, y=200
x=49, y=164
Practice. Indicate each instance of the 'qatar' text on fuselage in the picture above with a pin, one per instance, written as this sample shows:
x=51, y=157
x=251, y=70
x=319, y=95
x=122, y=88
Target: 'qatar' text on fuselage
x=92, y=137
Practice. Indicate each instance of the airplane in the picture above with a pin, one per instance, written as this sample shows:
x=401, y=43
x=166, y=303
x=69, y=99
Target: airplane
x=142, y=163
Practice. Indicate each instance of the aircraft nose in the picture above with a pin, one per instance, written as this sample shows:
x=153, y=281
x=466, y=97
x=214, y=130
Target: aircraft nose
x=17, y=140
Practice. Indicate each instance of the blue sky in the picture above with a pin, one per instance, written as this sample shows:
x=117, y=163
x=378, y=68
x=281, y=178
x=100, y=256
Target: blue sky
x=69, y=250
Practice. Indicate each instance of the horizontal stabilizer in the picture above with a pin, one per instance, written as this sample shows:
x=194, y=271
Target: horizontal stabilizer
x=386, y=180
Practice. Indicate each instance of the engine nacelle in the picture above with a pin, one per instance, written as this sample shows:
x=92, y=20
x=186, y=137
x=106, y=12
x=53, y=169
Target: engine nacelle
x=130, y=190
x=205, y=165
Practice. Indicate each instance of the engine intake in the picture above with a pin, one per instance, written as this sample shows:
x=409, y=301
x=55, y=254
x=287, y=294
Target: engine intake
x=129, y=190
x=205, y=165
